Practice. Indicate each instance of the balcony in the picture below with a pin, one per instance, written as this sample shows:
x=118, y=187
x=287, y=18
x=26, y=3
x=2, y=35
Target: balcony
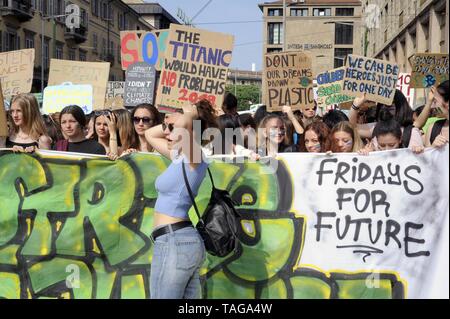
x=76, y=35
x=19, y=9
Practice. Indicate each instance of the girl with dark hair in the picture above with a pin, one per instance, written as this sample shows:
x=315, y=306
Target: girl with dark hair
x=400, y=111
x=248, y=126
x=178, y=251
x=28, y=130
x=316, y=138
x=144, y=116
x=388, y=134
x=73, y=121
x=437, y=135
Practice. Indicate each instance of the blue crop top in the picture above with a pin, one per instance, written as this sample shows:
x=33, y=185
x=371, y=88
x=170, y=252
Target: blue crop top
x=173, y=198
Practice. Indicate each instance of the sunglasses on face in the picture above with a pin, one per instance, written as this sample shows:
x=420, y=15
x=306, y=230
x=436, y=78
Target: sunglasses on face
x=145, y=120
x=167, y=126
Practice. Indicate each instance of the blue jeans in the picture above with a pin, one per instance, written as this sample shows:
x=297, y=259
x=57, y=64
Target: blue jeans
x=177, y=258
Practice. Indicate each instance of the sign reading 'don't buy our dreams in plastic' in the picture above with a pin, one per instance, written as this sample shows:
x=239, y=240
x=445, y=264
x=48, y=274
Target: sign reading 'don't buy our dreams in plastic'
x=195, y=67
x=59, y=96
x=376, y=78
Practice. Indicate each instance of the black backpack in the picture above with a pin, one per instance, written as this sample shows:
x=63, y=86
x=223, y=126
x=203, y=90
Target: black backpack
x=219, y=223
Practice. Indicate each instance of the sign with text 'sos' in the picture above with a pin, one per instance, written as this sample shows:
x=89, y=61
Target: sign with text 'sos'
x=329, y=90
x=16, y=72
x=195, y=68
x=376, y=78
x=139, y=84
x=288, y=80
x=59, y=96
x=429, y=70
x=143, y=46
x=76, y=72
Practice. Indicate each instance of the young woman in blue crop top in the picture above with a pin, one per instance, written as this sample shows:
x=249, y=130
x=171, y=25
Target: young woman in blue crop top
x=178, y=251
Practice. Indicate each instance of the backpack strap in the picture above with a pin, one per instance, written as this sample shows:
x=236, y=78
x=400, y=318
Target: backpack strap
x=406, y=136
x=437, y=128
x=191, y=195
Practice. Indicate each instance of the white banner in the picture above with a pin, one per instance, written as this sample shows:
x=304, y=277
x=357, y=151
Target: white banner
x=386, y=214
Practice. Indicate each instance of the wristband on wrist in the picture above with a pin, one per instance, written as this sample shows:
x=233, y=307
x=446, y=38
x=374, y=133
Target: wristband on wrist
x=356, y=108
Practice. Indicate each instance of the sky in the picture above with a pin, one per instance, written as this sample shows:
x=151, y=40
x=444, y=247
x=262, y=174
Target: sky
x=248, y=41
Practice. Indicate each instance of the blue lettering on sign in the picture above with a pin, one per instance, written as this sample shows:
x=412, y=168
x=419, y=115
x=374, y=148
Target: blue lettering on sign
x=150, y=37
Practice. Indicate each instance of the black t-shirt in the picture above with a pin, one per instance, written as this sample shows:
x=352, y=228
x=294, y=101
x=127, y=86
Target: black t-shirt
x=87, y=147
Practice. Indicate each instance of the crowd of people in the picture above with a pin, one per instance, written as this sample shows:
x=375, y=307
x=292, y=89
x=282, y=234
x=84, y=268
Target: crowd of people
x=369, y=127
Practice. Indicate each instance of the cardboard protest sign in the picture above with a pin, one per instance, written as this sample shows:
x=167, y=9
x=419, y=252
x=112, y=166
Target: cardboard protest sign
x=114, y=103
x=143, y=46
x=429, y=69
x=59, y=96
x=404, y=85
x=93, y=73
x=329, y=90
x=3, y=122
x=195, y=67
x=115, y=88
x=288, y=80
x=376, y=78
x=16, y=72
x=139, y=84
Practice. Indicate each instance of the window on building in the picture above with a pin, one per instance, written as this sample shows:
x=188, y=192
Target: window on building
x=111, y=47
x=11, y=41
x=84, y=18
x=322, y=12
x=345, y=12
x=94, y=42
x=275, y=33
x=59, y=51
x=275, y=12
x=119, y=54
x=29, y=40
x=340, y=55
x=46, y=53
x=274, y=50
x=82, y=55
x=44, y=7
x=104, y=10
x=111, y=16
x=104, y=46
x=95, y=7
x=343, y=33
x=72, y=54
x=299, y=12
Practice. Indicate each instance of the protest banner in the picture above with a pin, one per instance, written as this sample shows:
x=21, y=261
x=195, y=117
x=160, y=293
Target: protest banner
x=16, y=72
x=139, y=84
x=288, y=80
x=93, y=73
x=429, y=69
x=376, y=78
x=329, y=90
x=143, y=46
x=404, y=85
x=195, y=67
x=57, y=97
x=115, y=88
x=3, y=122
x=339, y=226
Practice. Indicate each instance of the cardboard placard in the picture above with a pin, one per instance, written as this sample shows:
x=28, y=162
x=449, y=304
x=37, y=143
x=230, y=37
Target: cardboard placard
x=288, y=80
x=114, y=103
x=93, y=73
x=404, y=85
x=3, y=122
x=139, y=84
x=115, y=88
x=16, y=72
x=429, y=69
x=376, y=78
x=329, y=90
x=59, y=96
x=195, y=67
x=143, y=46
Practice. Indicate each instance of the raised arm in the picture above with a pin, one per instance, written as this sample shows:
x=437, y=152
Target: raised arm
x=425, y=114
x=297, y=126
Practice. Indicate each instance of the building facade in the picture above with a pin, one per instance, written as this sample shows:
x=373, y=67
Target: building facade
x=153, y=13
x=328, y=29
x=96, y=38
x=396, y=30
x=240, y=77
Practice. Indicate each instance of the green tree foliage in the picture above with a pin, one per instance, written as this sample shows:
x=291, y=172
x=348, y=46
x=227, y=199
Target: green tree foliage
x=246, y=95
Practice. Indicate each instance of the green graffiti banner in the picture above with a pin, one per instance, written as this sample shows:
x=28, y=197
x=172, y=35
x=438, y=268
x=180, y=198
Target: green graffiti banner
x=79, y=228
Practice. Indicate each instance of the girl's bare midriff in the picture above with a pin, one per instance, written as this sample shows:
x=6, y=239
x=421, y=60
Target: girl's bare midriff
x=162, y=219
